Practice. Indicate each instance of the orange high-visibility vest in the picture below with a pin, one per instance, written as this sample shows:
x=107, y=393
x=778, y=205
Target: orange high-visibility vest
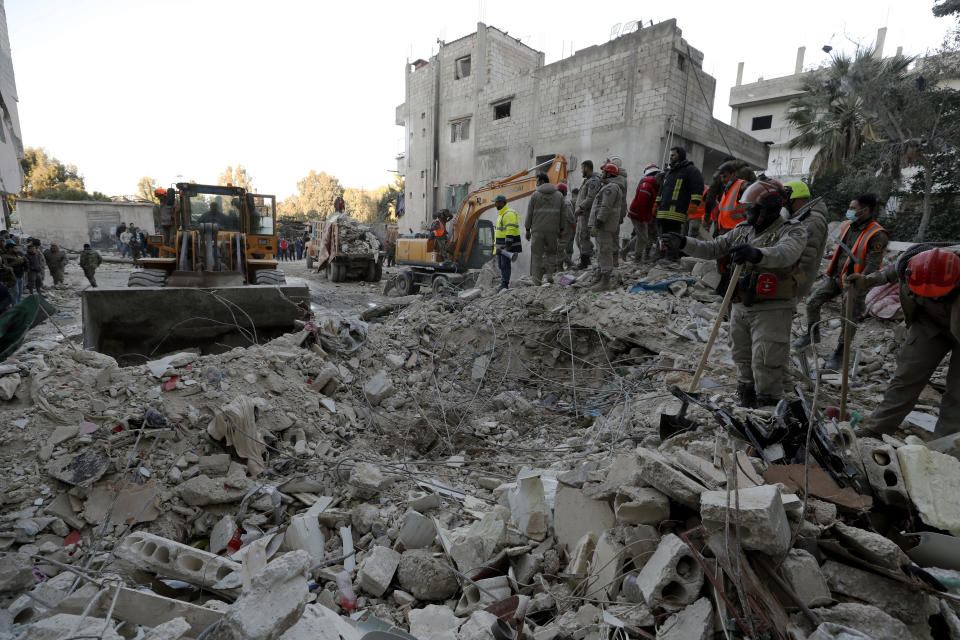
x=701, y=208
x=440, y=230
x=859, y=248
x=732, y=212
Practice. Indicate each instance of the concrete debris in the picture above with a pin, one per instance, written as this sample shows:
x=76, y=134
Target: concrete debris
x=443, y=472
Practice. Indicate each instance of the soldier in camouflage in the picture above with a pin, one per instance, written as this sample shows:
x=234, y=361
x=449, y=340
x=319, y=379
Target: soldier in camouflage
x=770, y=248
x=588, y=192
x=89, y=261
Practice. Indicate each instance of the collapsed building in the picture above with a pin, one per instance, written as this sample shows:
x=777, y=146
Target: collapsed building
x=483, y=465
x=486, y=106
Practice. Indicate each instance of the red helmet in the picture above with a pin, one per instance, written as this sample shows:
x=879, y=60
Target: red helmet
x=562, y=188
x=933, y=273
x=610, y=169
x=768, y=194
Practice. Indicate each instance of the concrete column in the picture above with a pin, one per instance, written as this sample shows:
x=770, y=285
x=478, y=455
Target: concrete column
x=798, y=68
x=739, y=74
x=881, y=38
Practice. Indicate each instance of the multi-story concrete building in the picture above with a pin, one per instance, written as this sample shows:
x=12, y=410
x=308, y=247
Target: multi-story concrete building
x=485, y=107
x=11, y=144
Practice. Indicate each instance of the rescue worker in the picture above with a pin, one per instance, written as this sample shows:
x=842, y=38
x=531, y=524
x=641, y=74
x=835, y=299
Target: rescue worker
x=34, y=269
x=439, y=231
x=89, y=261
x=391, y=253
x=867, y=241
x=680, y=195
x=731, y=211
x=770, y=248
x=588, y=193
x=813, y=217
x=568, y=223
x=622, y=173
x=929, y=282
x=543, y=228
x=640, y=213
x=506, y=237
x=57, y=261
x=695, y=219
x=605, y=221
x=13, y=258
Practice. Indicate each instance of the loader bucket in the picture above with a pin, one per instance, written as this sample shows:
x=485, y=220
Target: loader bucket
x=134, y=324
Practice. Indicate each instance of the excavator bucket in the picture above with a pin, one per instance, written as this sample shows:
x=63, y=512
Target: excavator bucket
x=137, y=323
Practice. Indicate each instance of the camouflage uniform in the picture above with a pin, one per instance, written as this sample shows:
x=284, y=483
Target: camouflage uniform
x=89, y=261
x=57, y=261
x=933, y=332
x=567, y=224
x=760, y=331
x=543, y=223
x=588, y=192
x=832, y=286
x=608, y=211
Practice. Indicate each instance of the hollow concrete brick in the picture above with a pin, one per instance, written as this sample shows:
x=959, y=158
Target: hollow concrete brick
x=671, y=575
x=882, y=468
x=163, y=556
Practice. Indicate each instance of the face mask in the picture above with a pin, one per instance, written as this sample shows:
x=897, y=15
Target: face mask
x=851, y=214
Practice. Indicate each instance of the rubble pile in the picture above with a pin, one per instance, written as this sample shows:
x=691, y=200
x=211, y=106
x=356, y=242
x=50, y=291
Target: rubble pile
x=355, y=238
x=473, y=466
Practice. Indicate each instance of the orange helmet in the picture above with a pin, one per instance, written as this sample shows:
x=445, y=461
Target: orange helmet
x=933, y=273
x=160, y=191
x=562, y=188
x=610, y=168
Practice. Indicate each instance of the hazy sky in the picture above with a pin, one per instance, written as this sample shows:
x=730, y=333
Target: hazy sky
x=127, y=88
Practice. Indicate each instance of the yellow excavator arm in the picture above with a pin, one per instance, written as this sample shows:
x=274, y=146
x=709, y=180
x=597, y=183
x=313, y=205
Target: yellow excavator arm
x=515, y=187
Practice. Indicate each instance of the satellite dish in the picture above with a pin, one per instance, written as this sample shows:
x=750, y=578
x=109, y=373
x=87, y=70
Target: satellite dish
x=630, y=27
x=614, y=31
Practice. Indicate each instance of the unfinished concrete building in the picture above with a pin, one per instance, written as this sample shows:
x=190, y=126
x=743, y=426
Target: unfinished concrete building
x=11, y=143
x=485, y=106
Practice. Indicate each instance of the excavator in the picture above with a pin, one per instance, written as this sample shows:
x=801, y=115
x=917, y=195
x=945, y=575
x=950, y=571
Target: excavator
x=471, y=241
x=213, y=282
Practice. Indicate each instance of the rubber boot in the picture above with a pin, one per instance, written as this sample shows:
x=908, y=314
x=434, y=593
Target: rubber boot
x=603, y=284
x=746, y=395
x=807, y=338
x=836, y=360
x=584, y=261
x=767, y=401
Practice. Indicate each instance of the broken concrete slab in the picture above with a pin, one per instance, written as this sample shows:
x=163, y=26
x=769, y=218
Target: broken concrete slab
x=641, y=505
x=693, y=622
x=222, y=533
x=173, y=630
x=201, y=490
x=84, y=468
x=672, y=575
x=874, y=622
x=366, y=481
x=478, y=627
x=16, y=572
x=166, y=557
x=933, y=482
x=575, y=515
x=215, y=465
x=656, y=470
x=802, y=572
x=897, y=599
x=482, y=593
x=871, y=546
x=149, y=609
x=377, y=569
x=274, y=602
x=426, y=577
x=417, y=532
x=605, y=568
x=320, y=623
x=62, y=624
x=378, y=388
x=762, y=519
x=124, y=504
x=529, y=502
x=433, y=618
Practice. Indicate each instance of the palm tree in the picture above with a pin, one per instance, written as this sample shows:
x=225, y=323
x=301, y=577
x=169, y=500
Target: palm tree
x=837, y=111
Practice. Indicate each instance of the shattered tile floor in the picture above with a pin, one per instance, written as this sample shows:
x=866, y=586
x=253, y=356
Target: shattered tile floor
x=471, y=466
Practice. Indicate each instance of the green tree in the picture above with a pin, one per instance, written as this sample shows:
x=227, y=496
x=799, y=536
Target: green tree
x=146, y=188
x=387, y=200
x=314, y=198
x=46, y=177
x=361, y=204
x=237, y=176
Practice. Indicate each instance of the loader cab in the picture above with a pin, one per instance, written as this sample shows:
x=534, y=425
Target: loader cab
x=203, y=204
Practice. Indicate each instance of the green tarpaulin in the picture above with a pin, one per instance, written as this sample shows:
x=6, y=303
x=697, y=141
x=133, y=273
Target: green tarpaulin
x=20, y=318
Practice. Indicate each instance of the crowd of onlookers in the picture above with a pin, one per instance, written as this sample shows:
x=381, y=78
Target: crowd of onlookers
x=132, y=241
x=293, y=249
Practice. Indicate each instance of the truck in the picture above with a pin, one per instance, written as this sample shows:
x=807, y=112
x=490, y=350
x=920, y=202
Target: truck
x=345, y=249
x=471, y=240
x=214, y=283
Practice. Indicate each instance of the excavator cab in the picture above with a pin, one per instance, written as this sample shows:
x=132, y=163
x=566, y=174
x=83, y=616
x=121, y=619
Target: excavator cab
x=201, y=288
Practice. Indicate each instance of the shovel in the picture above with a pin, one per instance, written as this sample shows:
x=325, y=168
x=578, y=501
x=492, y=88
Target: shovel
x=673, y=424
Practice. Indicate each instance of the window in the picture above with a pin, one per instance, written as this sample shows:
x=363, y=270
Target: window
x=796, y=166
x=423, y=114
x=501, y=111
x=461, y=67
x=761, y=122
x=222, y=210
x=460, y=130
x=681, y=62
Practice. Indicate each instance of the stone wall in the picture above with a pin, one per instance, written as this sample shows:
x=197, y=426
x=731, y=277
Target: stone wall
x=71, y=224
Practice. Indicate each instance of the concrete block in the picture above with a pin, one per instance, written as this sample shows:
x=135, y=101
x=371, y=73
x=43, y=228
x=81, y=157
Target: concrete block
x=900, y=601
x=933, y=482
x=693, y=622
x=166, y=557
x=61, y=625
x=215, y=465
x=201, y=490
x=641, y=505
x=605, y=568
x=421, y=502
x=274, y=602
x=152, y=610
x=802, y=572
x=575, y=515
x=16, y=572
x=173, y=630
x=656, y=470
x=671, y=575
x=417, y=532
x=763, y=521
x=433, y=618
x=482, y=593
x=366, y=481
x=378, y=388
x=426, y=577
x=882, y=467
x=872, y=547
x=377, y=569
x=874, y=622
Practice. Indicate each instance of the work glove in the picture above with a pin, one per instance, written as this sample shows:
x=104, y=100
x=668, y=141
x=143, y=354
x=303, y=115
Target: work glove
x=528, y=235
x=855, y=281
x=673, y=241
x=741, y=253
